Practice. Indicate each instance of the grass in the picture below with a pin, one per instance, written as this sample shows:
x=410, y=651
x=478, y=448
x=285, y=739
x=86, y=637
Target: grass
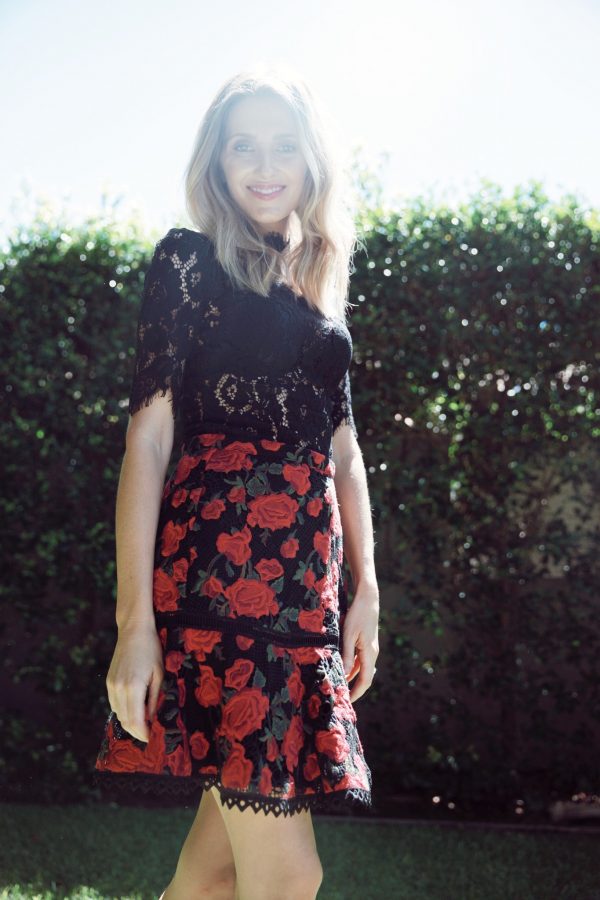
x=103, y=851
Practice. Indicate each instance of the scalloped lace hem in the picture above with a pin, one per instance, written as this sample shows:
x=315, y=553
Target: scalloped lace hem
x=184, y=786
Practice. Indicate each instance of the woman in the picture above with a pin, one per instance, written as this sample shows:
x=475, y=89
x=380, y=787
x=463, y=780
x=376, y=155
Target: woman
x=236, y=647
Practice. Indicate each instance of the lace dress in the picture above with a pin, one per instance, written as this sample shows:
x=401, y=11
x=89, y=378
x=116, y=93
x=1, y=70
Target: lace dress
x=248, y=595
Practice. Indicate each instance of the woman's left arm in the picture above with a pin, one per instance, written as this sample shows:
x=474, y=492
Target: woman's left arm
x=361, y=624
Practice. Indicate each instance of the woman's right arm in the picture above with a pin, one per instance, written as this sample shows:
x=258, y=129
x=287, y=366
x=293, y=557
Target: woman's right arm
x=137, y=663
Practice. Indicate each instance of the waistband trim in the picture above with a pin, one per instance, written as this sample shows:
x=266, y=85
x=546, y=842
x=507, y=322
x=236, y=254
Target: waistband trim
x=202, y=620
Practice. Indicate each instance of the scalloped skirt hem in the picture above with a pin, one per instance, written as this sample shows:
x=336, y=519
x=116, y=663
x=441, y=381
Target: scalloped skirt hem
x=192, y=786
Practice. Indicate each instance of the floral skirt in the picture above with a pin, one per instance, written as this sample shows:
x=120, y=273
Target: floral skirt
x=249, y=604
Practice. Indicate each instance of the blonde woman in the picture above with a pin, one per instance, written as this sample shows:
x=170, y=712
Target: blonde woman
x=238, y=658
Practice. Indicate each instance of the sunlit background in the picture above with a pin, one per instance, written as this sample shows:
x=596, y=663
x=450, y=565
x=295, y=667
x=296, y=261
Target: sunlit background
x=102, y=100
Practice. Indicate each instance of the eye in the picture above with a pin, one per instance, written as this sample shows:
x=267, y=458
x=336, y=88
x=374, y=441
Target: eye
x=241, y=144
x=292, y=147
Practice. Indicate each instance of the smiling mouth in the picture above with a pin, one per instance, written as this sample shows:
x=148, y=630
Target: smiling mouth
x=266, y=190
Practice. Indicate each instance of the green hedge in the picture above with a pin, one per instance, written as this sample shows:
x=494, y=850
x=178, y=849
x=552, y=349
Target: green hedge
x=475, y=385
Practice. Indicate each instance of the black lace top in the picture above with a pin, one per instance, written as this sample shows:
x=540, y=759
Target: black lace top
x=236, y=362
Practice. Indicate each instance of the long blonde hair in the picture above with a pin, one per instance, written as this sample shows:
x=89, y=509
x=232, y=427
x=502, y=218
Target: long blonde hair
x=318, y=261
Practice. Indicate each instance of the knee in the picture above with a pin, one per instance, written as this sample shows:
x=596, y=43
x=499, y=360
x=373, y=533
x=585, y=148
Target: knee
x=218, y=885
x=300, y=882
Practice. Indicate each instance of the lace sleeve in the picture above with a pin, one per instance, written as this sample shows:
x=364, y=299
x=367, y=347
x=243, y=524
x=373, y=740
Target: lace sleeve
x=341, y=406
x=162, y=332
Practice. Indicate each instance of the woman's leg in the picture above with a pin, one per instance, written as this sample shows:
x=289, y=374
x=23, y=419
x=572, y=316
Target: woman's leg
x=276, y=857
x=206, y=866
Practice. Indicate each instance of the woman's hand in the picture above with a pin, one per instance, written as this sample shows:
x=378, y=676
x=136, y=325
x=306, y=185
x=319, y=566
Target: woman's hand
x=361, y=638
x=136, y=666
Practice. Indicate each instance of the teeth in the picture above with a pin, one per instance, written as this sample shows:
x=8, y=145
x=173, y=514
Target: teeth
x=267, y=190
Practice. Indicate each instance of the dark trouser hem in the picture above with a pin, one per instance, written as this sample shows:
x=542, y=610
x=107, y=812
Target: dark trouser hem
x=193, y=785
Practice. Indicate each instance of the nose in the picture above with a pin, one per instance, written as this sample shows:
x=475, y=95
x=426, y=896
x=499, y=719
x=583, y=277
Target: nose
x=265, y=166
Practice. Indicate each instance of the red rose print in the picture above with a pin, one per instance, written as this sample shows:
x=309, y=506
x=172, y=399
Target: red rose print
x=163, y=637
x=209, y=439
x=270, y=445
x=237, y=495
x=311, y=619
x=237, y=769
x=314, y=706
x=333, y=743
x=322, y=544
x=174, y=660
x=179, y=761
x=193, y=554
x=314, y=506
x=184, y=467
x=210, y=690
x=269, y=569
x=289, y=548
x=211, y=587
x=293, y=741
x=272, y=749
x=230, y=458
x=309, y=578
x=311, y=767
x=236, y=546
x=298, y=477
x=180, y=692
x=196, y=493
x=198, y=745
x=244, y=713
x=208, y=770
x=306, y=656
x=180, y=569
x=153, y=758
x=179, y=497
x=265, y=785
x=295, y=687
x=238, y=675
x=272, y=511
x=200, y=641
x=243, y=642
x=250, y=597
x=319, y=458
x=213, y=509
x=165, y=591
x=171, y=537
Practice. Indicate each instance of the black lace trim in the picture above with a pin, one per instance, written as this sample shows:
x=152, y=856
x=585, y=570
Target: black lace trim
x=184, y=786
x=202, y=620
x=276, y=239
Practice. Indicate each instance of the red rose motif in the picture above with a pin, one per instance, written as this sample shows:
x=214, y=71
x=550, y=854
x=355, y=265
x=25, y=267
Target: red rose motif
x=180, y=693
x=214, y=509
x=200, y=641
x=179, y=497
x=333, y=743
x=243, y=642
x=193, y=554
x=272, y=749
x=327, y=591
x=322, y=544
x=309, y=578
x=295, y=687
x=306, y=656
x=270, y=445
x=319, y=458
x=230, y=458
x=265, y=785
x=314, y=506
x=269, y=569
x=199, y=746
x=251, y=597
x=179, y=762
x=174, y=660
x=244, y=713
x=237, y=495
x=153, y=758
x=208, y=770
x=314, y=706
x=238, y=675
x=210, y=689
x=311, y=767
x=171, y=537
x=210, y=438
x=165, y=591
x=289, y=548
x=162, y=634
x=311, y=619
x=293, y=742
x=236, y=547
x=272, y=511
x=211, y=587
x=237, y=770
x=180, y=569
x=196, y=493
x=298, y=477
x=184, y=467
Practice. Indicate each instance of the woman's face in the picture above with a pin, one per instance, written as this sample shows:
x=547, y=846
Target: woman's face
x=261, y=150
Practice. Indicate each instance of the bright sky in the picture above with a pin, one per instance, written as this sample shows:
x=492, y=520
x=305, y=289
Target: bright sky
x=106, y=97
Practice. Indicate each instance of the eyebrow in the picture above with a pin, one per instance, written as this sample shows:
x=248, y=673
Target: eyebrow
x=247, y=134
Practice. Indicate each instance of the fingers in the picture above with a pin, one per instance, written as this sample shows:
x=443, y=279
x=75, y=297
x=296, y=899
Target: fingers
x=128, y=703
x=153, y=692
x=364, y=665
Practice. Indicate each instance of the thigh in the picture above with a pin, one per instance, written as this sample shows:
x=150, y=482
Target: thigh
x=206, y=859
x=272, y=853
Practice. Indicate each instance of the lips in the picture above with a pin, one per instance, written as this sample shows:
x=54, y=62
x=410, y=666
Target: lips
x=266, y=190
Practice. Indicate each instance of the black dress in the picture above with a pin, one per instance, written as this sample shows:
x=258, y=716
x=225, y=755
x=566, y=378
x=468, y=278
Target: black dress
x=248, y=594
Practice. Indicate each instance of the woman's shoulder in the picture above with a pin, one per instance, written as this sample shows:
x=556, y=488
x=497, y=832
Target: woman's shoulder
x=187, y=239
x=190, y=255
